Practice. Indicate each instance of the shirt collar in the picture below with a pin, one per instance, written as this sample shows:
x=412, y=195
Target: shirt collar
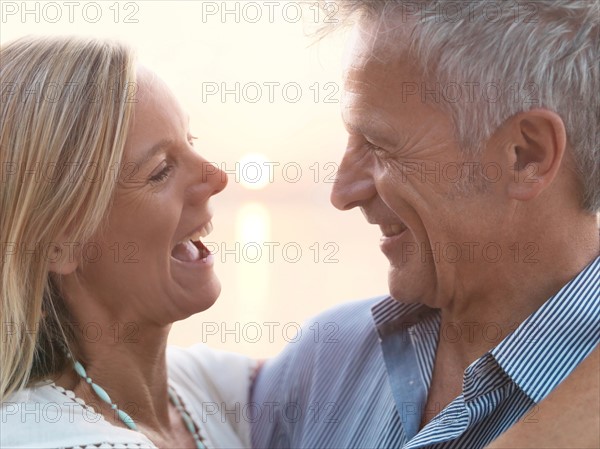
x=554, y=339
x=548, y=345
x=391, y=315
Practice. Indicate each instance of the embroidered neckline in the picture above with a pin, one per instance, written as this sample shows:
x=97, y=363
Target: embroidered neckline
x=81, y=402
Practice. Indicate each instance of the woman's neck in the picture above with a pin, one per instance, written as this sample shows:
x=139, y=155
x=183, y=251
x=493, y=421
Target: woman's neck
x=132, y=371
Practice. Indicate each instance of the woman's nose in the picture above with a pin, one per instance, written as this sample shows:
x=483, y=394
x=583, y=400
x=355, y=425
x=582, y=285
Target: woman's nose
x=207, y=180
x=216, y=178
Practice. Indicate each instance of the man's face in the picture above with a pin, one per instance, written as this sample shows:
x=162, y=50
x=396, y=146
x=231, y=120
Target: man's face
x=404, y=169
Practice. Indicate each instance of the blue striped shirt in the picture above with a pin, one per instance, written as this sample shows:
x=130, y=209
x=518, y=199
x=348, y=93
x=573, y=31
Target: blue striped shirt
x=359, y=375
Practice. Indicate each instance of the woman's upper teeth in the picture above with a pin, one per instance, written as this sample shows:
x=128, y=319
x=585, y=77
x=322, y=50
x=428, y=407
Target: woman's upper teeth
x=197, y=235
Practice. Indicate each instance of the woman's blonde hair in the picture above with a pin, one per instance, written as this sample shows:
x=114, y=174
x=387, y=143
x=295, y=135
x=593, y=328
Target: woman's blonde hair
x=65, y=108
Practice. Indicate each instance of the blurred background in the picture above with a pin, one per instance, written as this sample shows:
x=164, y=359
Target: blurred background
x=263, y=96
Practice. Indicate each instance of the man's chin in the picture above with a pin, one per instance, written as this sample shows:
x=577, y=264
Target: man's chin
x=402, y=297
x=399, y=288
x=406, y=286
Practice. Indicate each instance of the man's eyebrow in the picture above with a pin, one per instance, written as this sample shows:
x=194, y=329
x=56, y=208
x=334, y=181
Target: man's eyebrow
x=157, y=148
x=369, y=133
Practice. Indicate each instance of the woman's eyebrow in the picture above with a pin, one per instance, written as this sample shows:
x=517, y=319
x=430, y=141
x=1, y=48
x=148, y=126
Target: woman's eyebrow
x=155, y=149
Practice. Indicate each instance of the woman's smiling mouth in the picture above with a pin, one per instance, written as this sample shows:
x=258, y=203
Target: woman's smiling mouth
x=191, y=248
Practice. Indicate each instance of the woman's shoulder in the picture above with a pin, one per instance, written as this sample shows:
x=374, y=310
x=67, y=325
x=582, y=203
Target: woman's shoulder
x=215, y=387
x=216, y=372
x=48, y=416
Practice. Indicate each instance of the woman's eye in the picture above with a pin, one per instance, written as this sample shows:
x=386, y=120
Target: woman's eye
x=162, y=175
x=191, y=140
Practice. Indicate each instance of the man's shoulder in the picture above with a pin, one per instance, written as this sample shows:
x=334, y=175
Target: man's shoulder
x=344, y=324
x=333, y=368
x=345, y=334
x=350, y=311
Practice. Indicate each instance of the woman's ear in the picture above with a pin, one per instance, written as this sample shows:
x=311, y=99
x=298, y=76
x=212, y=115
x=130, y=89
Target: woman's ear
x=62, y=256
x=539, y=144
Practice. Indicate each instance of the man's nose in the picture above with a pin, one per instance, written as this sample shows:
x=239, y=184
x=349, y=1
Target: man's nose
x=354, y=181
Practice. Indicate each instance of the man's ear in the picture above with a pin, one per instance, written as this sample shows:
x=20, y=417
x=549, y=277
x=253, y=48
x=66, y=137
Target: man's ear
x=62, y=256
x=539, y=141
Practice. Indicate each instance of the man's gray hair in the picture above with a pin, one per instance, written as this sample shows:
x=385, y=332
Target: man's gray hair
x=494, y=59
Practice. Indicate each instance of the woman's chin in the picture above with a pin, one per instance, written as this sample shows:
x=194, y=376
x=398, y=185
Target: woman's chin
x=204, y=298
x=197, y=283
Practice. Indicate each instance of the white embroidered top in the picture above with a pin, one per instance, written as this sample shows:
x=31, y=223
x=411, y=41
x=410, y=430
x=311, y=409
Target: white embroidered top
x=213, y=386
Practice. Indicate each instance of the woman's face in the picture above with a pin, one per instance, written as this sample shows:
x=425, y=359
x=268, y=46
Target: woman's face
x=143, y=266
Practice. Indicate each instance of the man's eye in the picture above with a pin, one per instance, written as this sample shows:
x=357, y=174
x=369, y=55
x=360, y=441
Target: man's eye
x=162, y=175
x=377, y=150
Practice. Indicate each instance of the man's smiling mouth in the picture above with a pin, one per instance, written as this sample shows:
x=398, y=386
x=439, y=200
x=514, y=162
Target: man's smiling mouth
x=390, y=230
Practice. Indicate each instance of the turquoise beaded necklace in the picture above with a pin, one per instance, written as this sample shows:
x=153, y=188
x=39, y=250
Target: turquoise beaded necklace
x=128, y=420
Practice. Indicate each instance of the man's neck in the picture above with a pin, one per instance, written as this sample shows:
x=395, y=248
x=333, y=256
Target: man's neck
x=514, y=291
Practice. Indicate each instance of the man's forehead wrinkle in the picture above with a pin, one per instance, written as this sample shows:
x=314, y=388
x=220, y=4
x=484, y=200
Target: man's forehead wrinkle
x=373, y=70
x=358, y=85
x=369, y=74
x=366, y=120
x=362, y=110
